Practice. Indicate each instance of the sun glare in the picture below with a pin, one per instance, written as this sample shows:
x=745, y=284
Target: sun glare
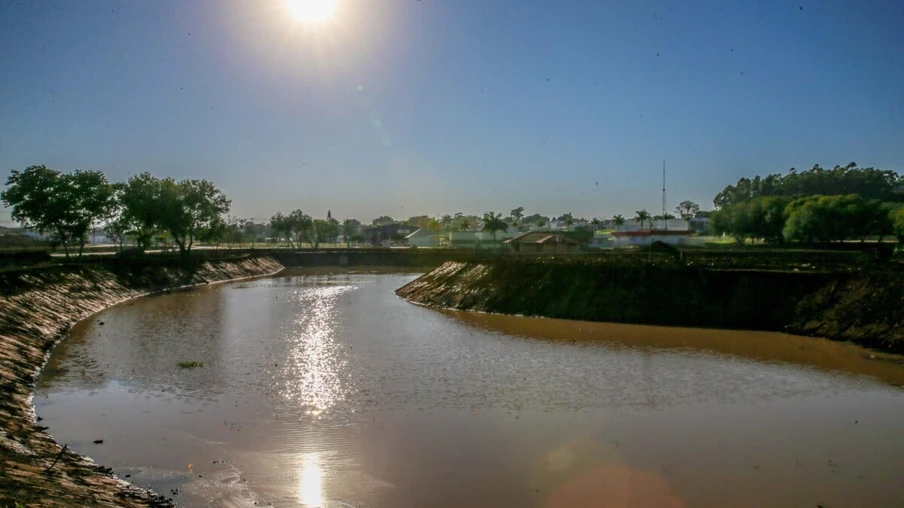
x=312, y=11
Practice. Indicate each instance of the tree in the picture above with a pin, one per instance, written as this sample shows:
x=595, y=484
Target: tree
x=687, y=210
x=66, y=205
x=300, y=224
x=281, y=227
x=826, y=218
x=214, y=232
x=117, y=230
x=897, y=220
x=642, y=216
x=321, y=231
x=348, y=229
x=517, y=214
x=870, y=183
x=188, y=207
x=140, y=200
x=762, y=217
x=618, y=221
x=493, y=222
x=434, y=226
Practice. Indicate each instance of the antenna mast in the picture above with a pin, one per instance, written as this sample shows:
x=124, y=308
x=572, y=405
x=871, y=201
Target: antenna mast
x=664, y=217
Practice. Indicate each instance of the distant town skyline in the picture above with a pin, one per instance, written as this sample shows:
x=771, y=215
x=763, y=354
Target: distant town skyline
x=406, y=108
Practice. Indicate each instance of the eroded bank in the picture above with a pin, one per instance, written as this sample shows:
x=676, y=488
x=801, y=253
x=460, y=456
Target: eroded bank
x=37, y=308
x=863, y=306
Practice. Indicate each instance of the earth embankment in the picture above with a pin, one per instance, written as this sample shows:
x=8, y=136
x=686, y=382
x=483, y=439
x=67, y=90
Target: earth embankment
x=37, y=308
x=865, y=306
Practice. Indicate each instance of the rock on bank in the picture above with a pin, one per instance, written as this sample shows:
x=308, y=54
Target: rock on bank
x=864, y=306
x=37, y=307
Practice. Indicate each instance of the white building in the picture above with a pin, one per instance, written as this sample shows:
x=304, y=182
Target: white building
x=645, y=237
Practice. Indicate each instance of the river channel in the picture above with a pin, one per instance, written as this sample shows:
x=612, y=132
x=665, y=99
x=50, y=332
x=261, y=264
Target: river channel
x=328, y=390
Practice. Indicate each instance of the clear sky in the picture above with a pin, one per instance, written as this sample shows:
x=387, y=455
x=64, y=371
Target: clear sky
x=409, y=107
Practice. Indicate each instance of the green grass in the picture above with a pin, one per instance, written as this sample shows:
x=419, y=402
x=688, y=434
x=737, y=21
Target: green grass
x=190, y=365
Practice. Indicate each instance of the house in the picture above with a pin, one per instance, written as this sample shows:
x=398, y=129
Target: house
x=543, y=242
x=479, y=239
x=644, y=237
x=422, y=238
x=385, y=235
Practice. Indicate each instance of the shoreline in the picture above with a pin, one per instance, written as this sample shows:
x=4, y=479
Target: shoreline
x=860, y=307
x=37, y=311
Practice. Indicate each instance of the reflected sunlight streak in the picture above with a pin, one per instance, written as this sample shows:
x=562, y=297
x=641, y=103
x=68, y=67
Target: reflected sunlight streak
x=318, y=364
x=310, y=481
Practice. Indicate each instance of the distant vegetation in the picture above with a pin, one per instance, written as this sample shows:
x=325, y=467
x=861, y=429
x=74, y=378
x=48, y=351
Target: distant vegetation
x=69, y=205
x=815, y=206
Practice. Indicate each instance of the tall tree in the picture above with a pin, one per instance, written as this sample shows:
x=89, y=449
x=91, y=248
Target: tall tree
x=140, y=200
x=517, y=214
x=66, y=205
x=188, y=207
x=321, y=231
x=870, y=183
x=281, y=226
x=642, y=216
x=348, y=230
x=687, y=210
x=619, y=221
x=300, y=224
x=493, y=222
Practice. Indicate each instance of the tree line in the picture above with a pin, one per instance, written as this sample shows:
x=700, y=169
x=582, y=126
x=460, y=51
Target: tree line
x=69, y=205
x=871, y=183
x=298, y=227
x=816, y=206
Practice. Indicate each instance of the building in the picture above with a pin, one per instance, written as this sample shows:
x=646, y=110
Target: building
x=543, y=242
x=478, y=239
x=645, y=237
x=423, y=238
x=699, y=224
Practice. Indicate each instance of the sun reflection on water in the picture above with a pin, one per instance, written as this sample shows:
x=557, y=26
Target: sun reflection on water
x=310, y=481
x=316, y=361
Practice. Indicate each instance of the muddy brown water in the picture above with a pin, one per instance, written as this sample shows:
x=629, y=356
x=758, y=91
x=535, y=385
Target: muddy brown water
x=328, y=390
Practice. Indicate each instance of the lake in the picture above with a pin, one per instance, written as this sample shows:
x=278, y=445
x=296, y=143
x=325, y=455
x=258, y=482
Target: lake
x=327, y=390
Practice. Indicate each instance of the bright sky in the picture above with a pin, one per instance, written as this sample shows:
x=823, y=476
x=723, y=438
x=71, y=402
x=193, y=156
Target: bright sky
x=409, y=107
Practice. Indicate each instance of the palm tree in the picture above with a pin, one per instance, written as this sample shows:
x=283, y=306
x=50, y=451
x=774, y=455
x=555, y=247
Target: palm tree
x=619, y=221
x=493, y=222
x=642, y=216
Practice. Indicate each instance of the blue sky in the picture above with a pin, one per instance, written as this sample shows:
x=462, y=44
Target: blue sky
x=407, y=107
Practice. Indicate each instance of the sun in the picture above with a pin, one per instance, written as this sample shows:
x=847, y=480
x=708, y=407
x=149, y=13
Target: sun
x=311, y=11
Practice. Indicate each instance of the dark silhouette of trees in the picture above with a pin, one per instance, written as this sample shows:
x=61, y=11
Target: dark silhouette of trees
x=870, y=183
x=66, y=205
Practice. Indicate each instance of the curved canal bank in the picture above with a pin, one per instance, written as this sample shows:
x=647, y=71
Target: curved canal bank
x=865, y=307
x=37, y=308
